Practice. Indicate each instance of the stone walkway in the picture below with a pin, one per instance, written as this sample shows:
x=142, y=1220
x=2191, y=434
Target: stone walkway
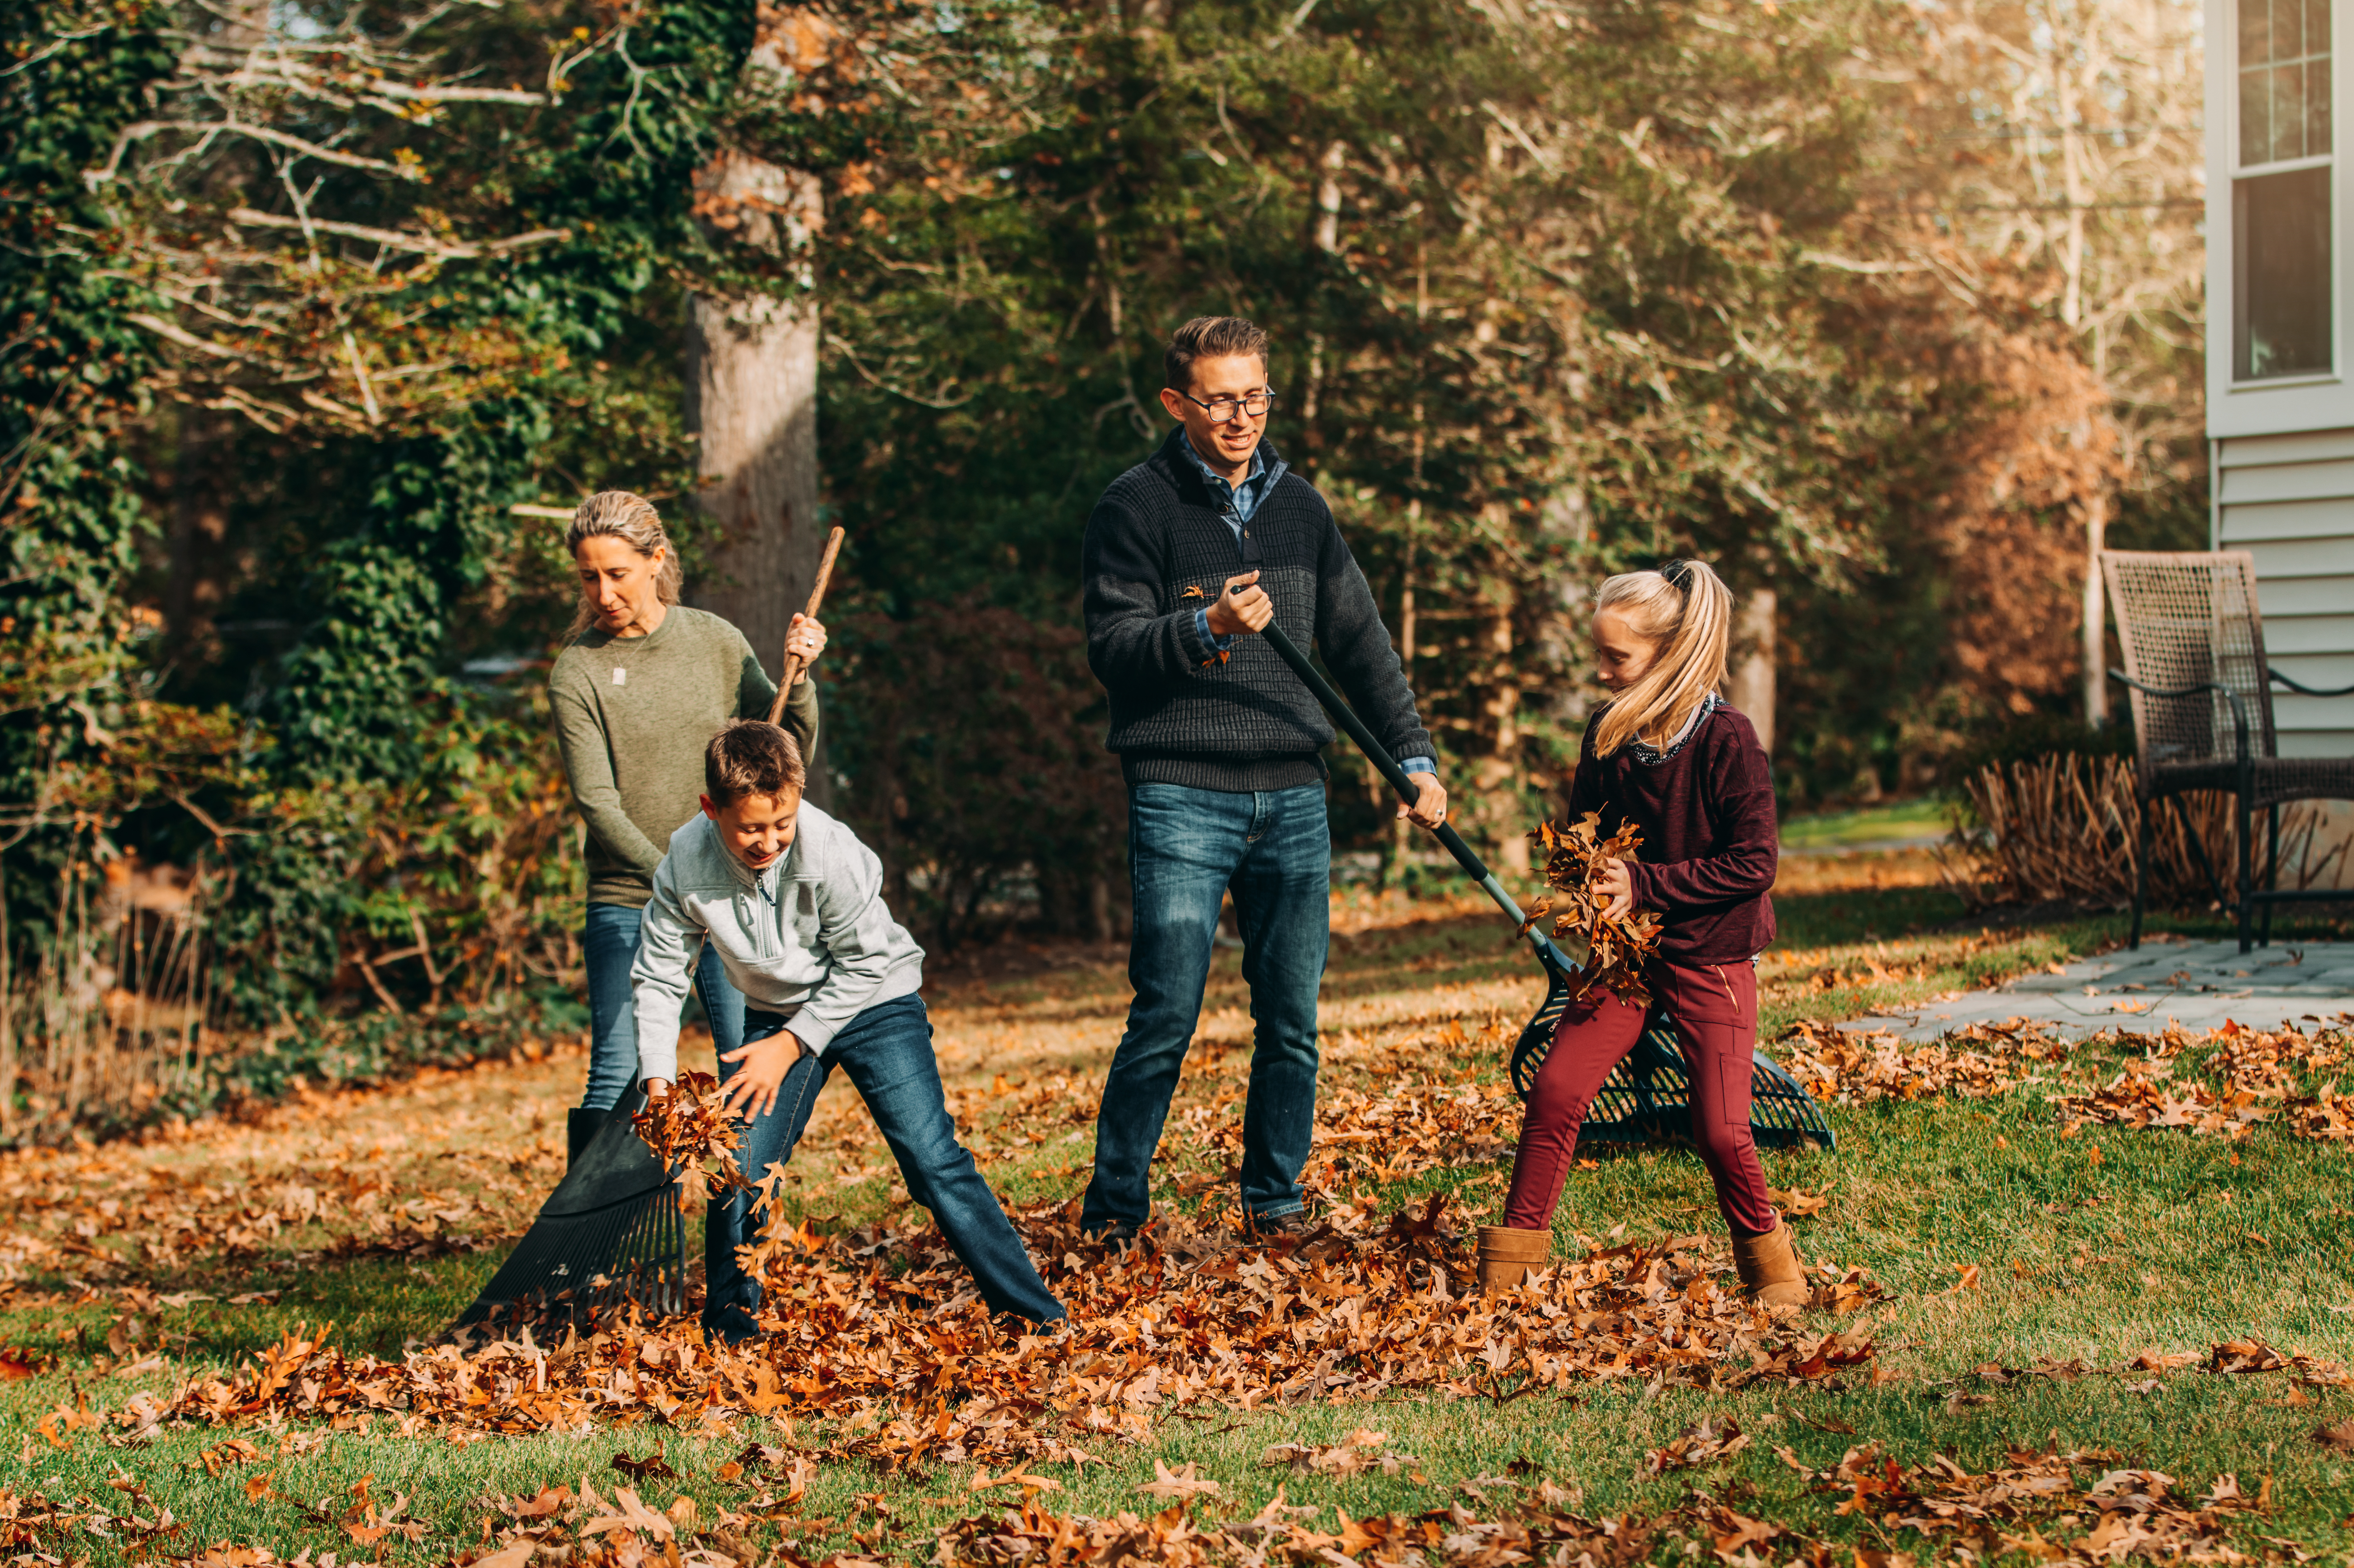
x=2195, y=984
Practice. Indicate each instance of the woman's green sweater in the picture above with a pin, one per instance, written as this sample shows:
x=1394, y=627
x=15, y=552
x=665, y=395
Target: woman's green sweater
x=632, y=716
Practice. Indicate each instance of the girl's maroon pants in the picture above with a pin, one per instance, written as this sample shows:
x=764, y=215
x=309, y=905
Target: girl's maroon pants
x=1714, y=1012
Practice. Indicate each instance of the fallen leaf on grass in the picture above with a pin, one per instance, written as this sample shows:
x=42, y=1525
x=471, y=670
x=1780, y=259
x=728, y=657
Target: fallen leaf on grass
x=1796, y=1205
x=515, y=1556
x=1715, y=1439
x=2341, y=1436
x=2244, y=1356
x=1184, y=1483
x=652, y=1466
x=1360, y=1450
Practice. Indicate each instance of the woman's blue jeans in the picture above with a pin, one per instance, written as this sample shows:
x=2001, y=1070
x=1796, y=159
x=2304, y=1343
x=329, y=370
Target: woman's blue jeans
x=887, y=1053
x=1186, y=847
x=608, y=947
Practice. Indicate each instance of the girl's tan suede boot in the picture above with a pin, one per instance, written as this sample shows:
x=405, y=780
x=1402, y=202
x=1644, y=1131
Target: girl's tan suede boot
x=1506, y=1255
x=1770, y=1267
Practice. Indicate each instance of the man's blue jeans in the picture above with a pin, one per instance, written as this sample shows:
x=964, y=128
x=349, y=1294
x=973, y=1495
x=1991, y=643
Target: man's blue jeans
x=887, y=1052
x=609, y=946
x=1186, y=847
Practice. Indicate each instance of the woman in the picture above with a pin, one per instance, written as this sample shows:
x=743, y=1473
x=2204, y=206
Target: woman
x=638, y=690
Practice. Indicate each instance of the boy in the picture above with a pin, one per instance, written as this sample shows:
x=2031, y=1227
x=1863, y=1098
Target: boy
x=792, y=902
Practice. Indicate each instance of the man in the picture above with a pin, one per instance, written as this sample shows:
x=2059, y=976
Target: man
x=1187, y=555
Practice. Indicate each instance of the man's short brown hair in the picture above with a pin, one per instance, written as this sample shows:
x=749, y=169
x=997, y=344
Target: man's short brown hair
x=750, y=757
x=1208, y=338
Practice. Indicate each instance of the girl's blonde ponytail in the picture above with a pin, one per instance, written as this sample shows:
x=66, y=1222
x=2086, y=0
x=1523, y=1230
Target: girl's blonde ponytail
x=1686, y=610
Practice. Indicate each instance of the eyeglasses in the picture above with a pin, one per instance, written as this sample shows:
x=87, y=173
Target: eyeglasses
x=1222, y=409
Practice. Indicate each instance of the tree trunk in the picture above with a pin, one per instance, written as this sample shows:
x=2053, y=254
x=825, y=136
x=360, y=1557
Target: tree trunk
x=1497, y=773
x=1752, y=686
x=2096, y=682
x=752, y=404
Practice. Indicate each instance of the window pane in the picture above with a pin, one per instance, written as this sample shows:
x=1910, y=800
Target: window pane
x=2279, y=275
x=2255, y=117
x=2284, y=81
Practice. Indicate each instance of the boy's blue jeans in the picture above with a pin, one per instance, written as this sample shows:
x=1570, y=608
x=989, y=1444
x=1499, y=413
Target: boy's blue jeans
x=1185, y=849
x=609, y=946
x=887, y=1053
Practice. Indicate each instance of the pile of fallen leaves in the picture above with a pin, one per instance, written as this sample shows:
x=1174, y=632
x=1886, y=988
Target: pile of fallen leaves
x=2059, y=1508
x=2071, y=1507
x=910, y=1367
x=221, y=1192
x=1277, y=1533
x=1841, y=1066
x=2224, y=1081
x=1616, y=946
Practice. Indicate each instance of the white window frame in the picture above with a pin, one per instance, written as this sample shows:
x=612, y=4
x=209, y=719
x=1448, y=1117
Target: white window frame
x=2235, y=171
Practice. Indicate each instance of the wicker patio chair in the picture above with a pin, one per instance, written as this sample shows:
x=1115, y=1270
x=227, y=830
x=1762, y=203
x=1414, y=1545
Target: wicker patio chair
x=2202, y=711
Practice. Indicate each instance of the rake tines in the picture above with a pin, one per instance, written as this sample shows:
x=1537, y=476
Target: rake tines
x=610, y=1232
x=1646, y=1098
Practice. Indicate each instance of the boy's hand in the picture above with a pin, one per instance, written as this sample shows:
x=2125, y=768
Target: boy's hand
x=753, y=1089
x=1616, y=883
x=657, y=1089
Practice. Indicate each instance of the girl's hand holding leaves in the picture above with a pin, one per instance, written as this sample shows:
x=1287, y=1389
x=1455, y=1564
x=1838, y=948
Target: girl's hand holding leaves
x=1594, y=901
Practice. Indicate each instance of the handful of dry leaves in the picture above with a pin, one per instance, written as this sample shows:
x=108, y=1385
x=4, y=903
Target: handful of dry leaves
x=691, y=1132
x=1616, y=946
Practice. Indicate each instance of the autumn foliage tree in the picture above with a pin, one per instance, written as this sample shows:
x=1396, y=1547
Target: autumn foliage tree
x=299, y=313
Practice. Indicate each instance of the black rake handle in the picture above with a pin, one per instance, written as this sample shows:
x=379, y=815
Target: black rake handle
x=1403, y=782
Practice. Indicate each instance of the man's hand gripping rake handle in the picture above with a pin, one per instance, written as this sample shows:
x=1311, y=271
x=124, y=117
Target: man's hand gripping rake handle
x=1403, y=782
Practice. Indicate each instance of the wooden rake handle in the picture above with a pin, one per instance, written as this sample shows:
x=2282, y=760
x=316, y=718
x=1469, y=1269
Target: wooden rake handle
x=795, y=667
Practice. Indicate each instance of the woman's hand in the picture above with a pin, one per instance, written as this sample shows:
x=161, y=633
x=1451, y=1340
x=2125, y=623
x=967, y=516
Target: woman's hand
x=1616, y=883
x=753, y=1089
x=804, y=640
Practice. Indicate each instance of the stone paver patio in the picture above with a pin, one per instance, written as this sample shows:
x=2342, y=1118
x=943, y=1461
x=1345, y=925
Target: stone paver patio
x=2195, y=984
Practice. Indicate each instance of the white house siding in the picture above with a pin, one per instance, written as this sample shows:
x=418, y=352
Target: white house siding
x=2288, y=500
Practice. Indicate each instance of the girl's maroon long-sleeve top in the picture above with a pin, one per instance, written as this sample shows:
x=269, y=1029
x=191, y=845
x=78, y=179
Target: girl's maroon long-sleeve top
x=1710, y=840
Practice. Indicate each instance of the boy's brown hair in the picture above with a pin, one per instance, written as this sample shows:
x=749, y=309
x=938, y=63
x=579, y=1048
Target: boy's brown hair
x=751, y=757
x=1208, y=338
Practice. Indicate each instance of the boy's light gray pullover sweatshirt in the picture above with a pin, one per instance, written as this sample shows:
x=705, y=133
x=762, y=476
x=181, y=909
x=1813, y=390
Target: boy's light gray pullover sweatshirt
x=632, y=716
x=811, y=939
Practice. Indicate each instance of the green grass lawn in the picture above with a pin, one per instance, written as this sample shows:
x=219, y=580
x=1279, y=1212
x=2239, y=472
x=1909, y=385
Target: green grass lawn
x=2005, y=1244
x=1897, y=821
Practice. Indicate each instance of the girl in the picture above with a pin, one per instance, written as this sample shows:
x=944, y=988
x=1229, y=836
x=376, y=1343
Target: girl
x=638, y=691
x=1668, y=754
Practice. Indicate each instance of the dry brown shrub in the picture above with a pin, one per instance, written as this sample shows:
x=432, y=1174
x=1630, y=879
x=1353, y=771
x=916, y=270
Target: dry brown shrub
x=2066, y=827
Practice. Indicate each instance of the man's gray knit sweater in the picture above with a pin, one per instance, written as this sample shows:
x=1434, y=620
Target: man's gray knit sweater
x=1156, y=549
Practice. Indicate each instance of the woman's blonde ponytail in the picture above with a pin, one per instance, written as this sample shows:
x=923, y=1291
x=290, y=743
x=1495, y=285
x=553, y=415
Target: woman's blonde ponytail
x=1685, y=609
x=619, y=514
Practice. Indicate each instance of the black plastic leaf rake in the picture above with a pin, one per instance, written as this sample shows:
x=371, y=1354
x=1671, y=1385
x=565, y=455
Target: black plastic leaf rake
x=611, y=1231
x=1646, y=1098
